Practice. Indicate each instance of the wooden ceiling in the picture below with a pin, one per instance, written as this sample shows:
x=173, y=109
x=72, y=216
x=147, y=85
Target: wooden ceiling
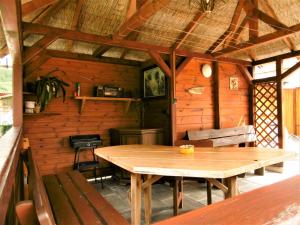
x=237, y=30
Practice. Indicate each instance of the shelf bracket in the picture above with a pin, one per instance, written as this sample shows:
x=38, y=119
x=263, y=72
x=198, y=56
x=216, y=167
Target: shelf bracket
x=127, y=106
x=82, y=105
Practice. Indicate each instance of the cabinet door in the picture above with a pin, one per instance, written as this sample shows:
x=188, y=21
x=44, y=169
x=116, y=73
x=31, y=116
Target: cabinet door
x=130, y=139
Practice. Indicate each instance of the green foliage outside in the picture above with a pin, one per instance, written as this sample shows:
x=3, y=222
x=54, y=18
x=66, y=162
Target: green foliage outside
x=5, y=80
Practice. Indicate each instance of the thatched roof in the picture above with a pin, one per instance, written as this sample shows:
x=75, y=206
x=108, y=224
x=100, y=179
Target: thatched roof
x=105, y=17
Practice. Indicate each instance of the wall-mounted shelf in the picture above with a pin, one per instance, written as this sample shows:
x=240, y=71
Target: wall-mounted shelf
x=127, y=100
x=42, y=114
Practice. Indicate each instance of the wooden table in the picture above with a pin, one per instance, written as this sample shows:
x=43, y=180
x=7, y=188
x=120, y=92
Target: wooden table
x=155, y=161
x=277, y=203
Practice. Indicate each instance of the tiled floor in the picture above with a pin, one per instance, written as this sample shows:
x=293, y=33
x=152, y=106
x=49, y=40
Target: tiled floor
x=194, y=192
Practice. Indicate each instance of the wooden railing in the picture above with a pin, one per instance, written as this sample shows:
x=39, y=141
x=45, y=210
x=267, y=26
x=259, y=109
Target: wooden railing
x=11, y=177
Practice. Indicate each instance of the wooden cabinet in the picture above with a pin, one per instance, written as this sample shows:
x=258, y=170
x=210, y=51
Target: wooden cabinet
x=127, y=136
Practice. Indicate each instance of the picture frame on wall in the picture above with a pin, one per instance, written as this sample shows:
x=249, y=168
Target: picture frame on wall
x=154, y=83
x=233, y=83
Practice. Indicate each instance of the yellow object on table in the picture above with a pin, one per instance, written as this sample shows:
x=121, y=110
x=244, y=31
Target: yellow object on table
x=186, y=149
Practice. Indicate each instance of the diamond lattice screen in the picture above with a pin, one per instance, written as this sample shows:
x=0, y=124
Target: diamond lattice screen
x=266, y=114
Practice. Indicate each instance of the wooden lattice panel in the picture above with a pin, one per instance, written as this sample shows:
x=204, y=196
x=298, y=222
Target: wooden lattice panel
x=266, y=114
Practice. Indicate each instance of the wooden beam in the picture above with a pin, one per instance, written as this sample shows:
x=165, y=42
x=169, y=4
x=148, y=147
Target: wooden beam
x=54, y=8
x=253, y=21
x=277, y=25
x=188, y=30
x=173, y=99
x=290, y=70
x=146, y=11
x=131, y=9
x=272, y=59
x=246, y=74
x=183, y=65
x=268, y=9
x=85, y=57
x=74, y=26
x=160, y=62
x=216, y=95
x=35, y=64
x=10, y=11
x=268, y=38
x=279, y=103
x=231, y=28
x=135, y=45
x=239, y=30
x=39, y=46
x=31, y=6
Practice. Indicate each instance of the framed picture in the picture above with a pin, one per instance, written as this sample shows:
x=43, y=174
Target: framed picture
x=233, y=83
x=154, y=81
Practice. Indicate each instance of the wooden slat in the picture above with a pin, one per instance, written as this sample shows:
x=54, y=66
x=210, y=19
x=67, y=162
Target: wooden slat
x=188, y=30
x=84, y=211
x=61, y=206
x=100, y=204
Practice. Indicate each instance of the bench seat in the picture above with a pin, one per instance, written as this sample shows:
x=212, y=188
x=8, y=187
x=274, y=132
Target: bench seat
x=65, y=199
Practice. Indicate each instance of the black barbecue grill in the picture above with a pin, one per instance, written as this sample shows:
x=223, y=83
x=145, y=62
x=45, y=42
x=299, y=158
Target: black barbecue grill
x=85, y=142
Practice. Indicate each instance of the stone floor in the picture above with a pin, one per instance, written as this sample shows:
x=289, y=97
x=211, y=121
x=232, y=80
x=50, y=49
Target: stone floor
x=194, y=192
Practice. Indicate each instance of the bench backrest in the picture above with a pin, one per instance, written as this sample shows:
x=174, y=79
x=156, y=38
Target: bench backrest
x=39, y=194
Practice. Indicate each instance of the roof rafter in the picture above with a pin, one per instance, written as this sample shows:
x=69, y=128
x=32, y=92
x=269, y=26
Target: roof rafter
x=231, y=28
x=280, y=34
x=160, y=62
x=268, y=9
x=34, y=5
x=135, y=45
x=188, y=30
x=39, y=46
x=75, y=21
x=147, y=10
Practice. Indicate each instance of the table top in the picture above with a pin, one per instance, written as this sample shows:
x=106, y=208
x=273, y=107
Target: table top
x=204, y=162
x=278, y=203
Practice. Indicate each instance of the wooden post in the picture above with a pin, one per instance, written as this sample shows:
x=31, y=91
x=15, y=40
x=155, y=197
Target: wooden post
x=279, y=103
x=216, y=95
x=173, y=97
x=136, y=192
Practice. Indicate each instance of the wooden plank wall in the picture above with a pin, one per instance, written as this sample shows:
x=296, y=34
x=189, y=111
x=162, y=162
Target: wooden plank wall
x=196, y=111
x=49, y=135
x=291, y=110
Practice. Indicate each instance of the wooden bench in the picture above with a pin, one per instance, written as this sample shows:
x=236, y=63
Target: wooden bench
x=64, y=199
x=278, y=203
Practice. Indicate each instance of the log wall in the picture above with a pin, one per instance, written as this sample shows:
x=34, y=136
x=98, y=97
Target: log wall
x=49, y=135
x=196, y=111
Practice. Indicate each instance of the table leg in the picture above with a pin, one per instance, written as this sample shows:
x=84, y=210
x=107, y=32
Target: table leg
x=147, y=201
x=231, y=183
x=136, y=192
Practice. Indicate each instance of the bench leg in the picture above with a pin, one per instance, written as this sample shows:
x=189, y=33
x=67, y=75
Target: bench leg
x=231, y=183
x=208, y=192
x=260, y=171
x=177, y=195
x=136, y=192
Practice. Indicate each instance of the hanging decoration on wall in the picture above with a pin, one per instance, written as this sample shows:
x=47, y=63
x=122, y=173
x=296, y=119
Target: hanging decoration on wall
x=233, y=83
x=196, y=90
